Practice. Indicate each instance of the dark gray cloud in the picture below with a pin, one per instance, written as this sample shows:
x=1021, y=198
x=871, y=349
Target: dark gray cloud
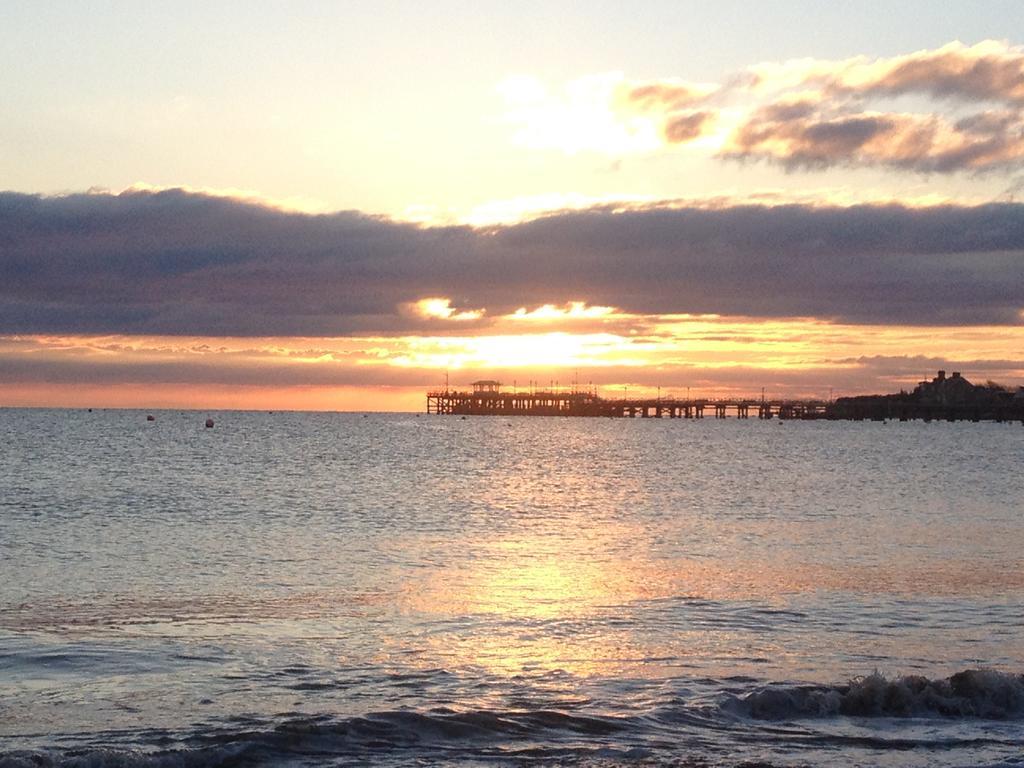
x=186, y=264
x=213, y=370
x=924, y=366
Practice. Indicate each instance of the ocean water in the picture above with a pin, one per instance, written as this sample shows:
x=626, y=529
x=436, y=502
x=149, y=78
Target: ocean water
x=338, y=589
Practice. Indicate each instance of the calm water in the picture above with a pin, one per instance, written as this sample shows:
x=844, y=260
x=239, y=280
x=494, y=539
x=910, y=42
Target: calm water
x=328, y=589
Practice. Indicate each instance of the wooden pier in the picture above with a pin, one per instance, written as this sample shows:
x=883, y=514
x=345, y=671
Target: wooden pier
x=486, y=400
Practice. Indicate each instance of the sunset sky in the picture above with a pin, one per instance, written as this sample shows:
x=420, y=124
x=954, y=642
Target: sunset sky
x=331, y=205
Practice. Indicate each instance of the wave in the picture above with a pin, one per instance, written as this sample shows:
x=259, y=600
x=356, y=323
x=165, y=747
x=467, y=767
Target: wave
x=687, y=726
x=974, y=693
x=438, y=735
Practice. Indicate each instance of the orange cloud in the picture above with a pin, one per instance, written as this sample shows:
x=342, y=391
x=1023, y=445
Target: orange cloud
x=814, y=114
x=989, y=71
x=574, y=310
x=817, y=114
x=686, y=126
x=441, y=309
x=916, y=142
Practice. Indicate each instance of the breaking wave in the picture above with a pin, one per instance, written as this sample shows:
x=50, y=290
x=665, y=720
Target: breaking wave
x=684, y=730
x=974, y=693
x=439, y=735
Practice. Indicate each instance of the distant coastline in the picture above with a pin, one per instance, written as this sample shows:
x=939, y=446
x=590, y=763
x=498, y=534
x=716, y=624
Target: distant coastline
x=952, y=398
x=949, y=398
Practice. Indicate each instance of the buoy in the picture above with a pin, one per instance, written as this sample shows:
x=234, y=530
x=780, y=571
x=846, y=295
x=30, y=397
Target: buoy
x=209, y=423
x=151, y=417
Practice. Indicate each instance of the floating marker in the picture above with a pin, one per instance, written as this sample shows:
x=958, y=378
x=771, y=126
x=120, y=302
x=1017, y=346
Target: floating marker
x=209, y=423
x=151, y=417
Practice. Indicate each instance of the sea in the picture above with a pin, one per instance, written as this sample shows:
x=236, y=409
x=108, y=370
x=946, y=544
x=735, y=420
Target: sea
x=342, y=589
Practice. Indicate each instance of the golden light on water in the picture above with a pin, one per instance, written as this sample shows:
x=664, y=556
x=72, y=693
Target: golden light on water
x=542, y=583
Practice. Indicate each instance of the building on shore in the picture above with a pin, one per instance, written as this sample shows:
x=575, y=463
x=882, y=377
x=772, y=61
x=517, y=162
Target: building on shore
x=952, y=398
x=951, y=390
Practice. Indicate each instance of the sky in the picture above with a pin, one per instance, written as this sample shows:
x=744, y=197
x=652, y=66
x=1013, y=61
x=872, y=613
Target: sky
x=338, y=205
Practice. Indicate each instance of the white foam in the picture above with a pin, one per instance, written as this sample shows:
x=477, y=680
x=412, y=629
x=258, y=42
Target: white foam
x=974, y=693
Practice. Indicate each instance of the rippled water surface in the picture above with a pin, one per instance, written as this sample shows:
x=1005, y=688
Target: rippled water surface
x=339, y=589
